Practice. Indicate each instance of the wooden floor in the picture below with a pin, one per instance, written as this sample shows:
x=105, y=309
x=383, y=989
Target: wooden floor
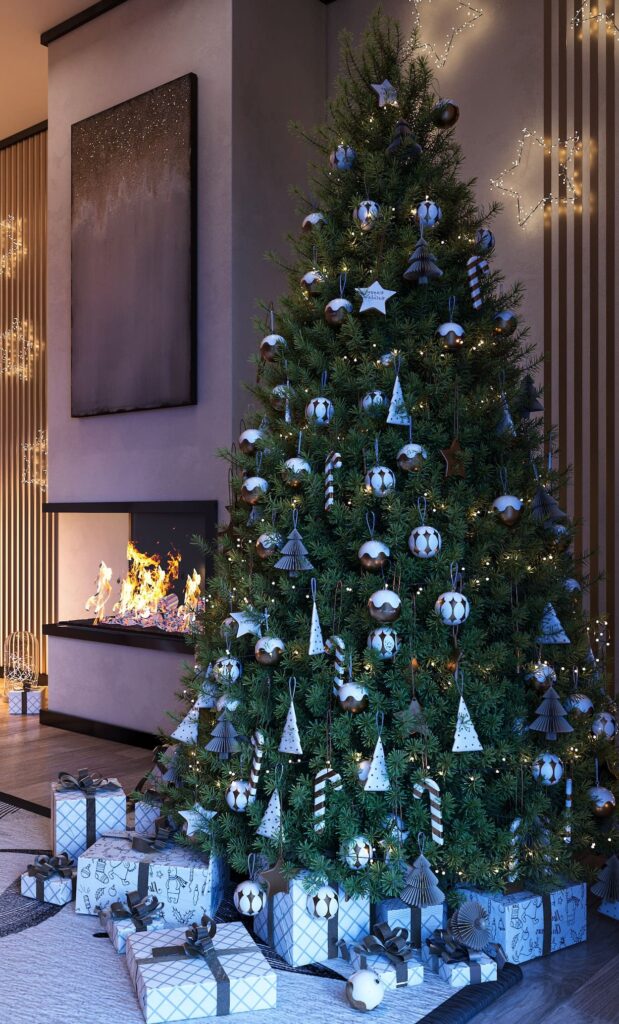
x=31, y=755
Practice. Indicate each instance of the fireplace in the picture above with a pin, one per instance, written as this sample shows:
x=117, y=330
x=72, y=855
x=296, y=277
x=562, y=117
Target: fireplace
x=96, y=685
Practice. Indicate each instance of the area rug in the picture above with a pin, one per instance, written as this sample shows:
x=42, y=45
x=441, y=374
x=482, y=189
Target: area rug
x=66, y=973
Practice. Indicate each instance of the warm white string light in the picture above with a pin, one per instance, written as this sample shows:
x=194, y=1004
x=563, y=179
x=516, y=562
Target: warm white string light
x=35, y=461
x=585, y=14
x=465, y=18
x=11, y=245
x=19, y=348
x=565, y=149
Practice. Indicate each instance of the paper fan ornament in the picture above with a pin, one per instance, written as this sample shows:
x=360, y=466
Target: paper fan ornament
x=316, y=642
x=224, y=738
x=398, y=415
x=421, y=888
x=466, y=739
x=469, y=925
x=290, y=742
x=607, y=885
x=271, y=825
x=551, y=630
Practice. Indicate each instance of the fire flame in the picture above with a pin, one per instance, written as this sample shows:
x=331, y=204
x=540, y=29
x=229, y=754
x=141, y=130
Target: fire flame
x=145, y=584
x=97, y=602
x=193, y=587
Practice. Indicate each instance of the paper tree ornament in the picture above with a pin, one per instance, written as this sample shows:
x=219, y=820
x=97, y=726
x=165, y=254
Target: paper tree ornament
x=271, y=825
x=551, y=716
x=545, y=508
x=607, y=885
x=551, y=630
x=398, y=414
x=466, y=738
x=224, y=738
x=529, y=397
x=378, y=776
x=290, y=742
x=422, y=267
x=316, y=642
x=294, y=552
x=505, y=426
x=421, y=888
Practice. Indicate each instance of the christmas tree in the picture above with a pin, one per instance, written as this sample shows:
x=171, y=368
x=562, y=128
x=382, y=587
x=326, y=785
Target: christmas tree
x=426, y=510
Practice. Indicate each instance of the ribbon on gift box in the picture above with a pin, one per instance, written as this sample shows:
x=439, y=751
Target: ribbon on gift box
x=45, y=868
x=164, y=834
x=89, y=783
x=443, y=946
x=142, y=786
x=138, y=909
x=383, y=941
x=199, y=945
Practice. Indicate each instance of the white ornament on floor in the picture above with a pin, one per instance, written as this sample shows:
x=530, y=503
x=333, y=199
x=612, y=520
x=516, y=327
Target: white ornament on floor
x=365, y=990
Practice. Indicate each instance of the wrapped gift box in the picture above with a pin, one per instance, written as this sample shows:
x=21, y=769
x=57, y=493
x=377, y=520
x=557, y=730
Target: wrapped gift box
x=610, y=908
x=408, y=973
x=54, y=890
x=146, y=814
x=234, y=978
x=420, y=922
x=119, y=921
x=477, y=969
x=78, y=819
x=285, y=924
x=25, y=702
x=528, y=925
x=187, y=883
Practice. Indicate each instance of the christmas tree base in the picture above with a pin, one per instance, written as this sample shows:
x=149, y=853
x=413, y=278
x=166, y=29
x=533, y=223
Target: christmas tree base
x=468, y=1002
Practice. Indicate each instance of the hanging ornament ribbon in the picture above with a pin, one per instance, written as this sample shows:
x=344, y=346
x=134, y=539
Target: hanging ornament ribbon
x=466, y=739
x=257, y=742
x=290, y=742
x=343, y=279
x=378, y=776
x=475, y=266
x=433, y=790
x=316, y=642
x=332, y=462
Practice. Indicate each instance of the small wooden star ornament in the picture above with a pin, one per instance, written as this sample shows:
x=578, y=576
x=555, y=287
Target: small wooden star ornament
x=374, y=297
x=274, y=879
x=386, y=92
x=453, y=459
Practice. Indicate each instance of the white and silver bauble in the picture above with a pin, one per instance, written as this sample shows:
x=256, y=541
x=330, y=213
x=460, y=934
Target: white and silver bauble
x=374, y=554
x=541, y=675
x=313, y=220
x=387, y=359
x=248, y=440
x=548, y=769
x=312, y=282
x=226, y=703
x=342, y=158
x=505, y=322
x=271, y=347
x=424, y=541
x=508, y=508
x=411, y=457
x=254, y=489
x=485, y=240
x=280, y=394
x=453, y=608
x=365, y=990
x=384, y=605
x=352, y=697
x=384, y=641
x=578, y=703
x=380, y=481
x=357, y=853
x=603, y=801
x=323, y=904
x=269, y=543
x=366, y=214
x=373, y=401
x=604, y=726
x=428, y=213
x=337, y=310
x=269, y=650
x=296, y=470
x=319, y=411
x=451, y=335
x=227, y=670
x=363, y=770
x=248, y=898
x=237, y=795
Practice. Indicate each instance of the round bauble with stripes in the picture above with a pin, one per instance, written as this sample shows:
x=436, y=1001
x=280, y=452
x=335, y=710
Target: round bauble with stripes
x=445, y=113
x=296, y=470
x=540, y=675
x=384, y=605
x=312, y=282
x=269, y=650
x=485, y=240
x=505, y=322
x=323, y=904
x=578, y=704
x=373, y=401
x=320, y=411
x=227, y=670
x=374, y=555
x=337, y=311
x=603, y=801
x=249, y=898
x=342, y=157
x=547, y=768
x=366, y=214
x=254, y=489
x=248, y=440
x=271, y=347
x=508, y=508
x=428, y=213
x=352, y=697
x=411, y=457
x=379, y=481
x=604, y=726
x=453, y=608
x=268, y=543
x=357, y=853
x=424, y=541
x=313, y=220
x=237, y=795
x=365, y=990
x=384, y=642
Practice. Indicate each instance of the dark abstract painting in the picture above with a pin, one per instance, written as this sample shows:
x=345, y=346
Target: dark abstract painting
x=133, y=342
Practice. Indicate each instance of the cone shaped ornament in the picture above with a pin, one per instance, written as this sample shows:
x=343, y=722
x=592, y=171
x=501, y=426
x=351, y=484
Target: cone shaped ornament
x=551, y=631
x=466, y=738
x=290, y=742
x=378, y=777
x=271, y=825
x=316, y=642
x=398, y=414
x=551, y=716
x=187, y=730
x=607, y=885
x=421, y=887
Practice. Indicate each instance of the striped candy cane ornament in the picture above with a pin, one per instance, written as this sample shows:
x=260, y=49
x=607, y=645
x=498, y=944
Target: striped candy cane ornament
x=475, y=266
x=336, y=645
x=332, y=462
x=320, y=783
x=436, y=812
x=257, y=742
x=569, y=790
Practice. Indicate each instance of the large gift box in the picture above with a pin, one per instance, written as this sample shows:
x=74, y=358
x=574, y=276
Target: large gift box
x=50, y=880
x=388, y=953
x=420, y=922
x=26, y=701
x=137, y=914
x=527, y=925
x=207, y=971
x=476, y=969
x=83, y=807
x=187, y=883
x=147, y=812
x=300, y=938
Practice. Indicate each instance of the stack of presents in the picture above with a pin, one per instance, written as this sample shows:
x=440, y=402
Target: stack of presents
x=157, y=897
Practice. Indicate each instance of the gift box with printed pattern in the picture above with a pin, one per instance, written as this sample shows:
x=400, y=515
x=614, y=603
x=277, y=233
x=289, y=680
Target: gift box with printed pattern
x=420, y=922
x=25, y=702
x=56, y=890
x=80, y=817
x=146, y=814
x=126, y=917
x=474, y=971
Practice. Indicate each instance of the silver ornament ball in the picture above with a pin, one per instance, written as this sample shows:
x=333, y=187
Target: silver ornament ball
x=453, y=608
x=323, y=904
x=384, y=641
x=424, y=542
x=319, y=410
x=342, y=158
x=248, y=898
x=313, y=220
x=548, y=769
x=366, y=214
x=237, y=795
x=373, y=401
x=357, y=853
x=379, y=481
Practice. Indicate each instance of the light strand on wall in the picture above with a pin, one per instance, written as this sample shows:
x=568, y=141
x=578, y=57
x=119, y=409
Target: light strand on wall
x=587, y=14
x=19, y=348
x=565, y=150
x=34, y=454
x=12, y=248
x=465, y=17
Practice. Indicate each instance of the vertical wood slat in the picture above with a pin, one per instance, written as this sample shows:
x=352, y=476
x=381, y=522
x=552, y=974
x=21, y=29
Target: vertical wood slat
x=27, y=536
x=609, y=320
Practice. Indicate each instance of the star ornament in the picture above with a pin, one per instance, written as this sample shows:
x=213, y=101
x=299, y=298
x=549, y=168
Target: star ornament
x=274, y=878
x=374, y=297
x=197, y=818
x=519, y=180
x=387, y=95
x=453, y=459
x=248, y=623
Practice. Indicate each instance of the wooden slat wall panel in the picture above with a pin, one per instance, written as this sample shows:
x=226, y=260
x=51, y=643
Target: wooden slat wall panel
x=27, y=537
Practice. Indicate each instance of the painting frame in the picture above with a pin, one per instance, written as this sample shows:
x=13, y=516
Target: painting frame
x=172, y=383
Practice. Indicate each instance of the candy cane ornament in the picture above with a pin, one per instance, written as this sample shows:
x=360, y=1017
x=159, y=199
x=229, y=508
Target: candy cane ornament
x=320, y=782
x=475, y=266
x=336, y=645
x=257, y=742
x=436, y=812
x=332, y=462
x=569, y=790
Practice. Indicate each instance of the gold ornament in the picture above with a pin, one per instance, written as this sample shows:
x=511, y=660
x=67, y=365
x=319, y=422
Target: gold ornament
x=384, y=606
x=508, y=508
x=602, y=801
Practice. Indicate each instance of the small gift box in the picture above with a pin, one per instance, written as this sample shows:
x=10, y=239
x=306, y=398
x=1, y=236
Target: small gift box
x=420, y=922
x=138, y=914
x=473, y=971
x=83, y=807
x=388, y=952
x=25, y=700
x=147, y=813
x=610, y=908
x=207, y=971
x=50, y=880
x=458, y=965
